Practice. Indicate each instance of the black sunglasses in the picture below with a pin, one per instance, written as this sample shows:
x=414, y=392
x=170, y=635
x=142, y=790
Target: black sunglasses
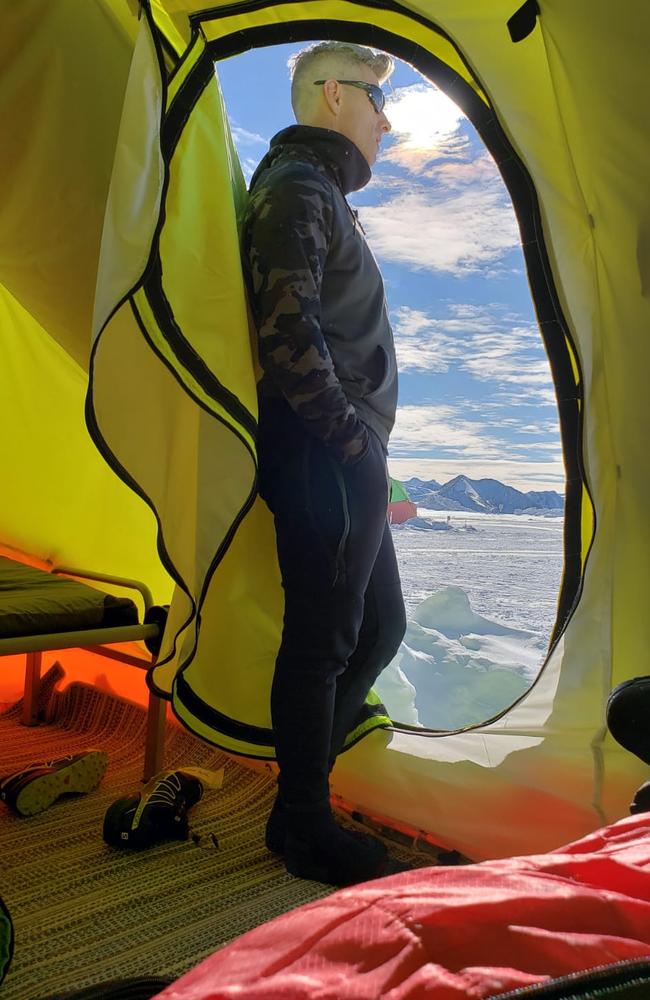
x=376, y=96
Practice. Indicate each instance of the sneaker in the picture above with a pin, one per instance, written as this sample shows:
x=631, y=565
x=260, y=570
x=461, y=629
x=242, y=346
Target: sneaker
x=158, y=812
x=37, y=786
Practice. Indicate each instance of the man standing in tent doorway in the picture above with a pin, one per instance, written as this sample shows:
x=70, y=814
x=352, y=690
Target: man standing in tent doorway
x=327, y=399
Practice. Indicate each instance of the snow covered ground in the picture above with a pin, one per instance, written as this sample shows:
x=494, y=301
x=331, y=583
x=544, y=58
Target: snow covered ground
x=481, y=592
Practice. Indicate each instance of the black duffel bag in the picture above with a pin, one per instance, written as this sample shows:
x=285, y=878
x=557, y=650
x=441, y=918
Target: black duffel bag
x=628, y=720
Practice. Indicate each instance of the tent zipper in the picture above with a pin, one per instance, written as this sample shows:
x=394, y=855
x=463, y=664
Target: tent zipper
x=594, y=984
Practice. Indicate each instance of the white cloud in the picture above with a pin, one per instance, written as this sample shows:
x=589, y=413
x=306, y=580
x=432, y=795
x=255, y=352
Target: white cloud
x=244, y=141
x=458, y=174
x=492, y=345
x=547, y=427
x=460, y=235
x=467, y=311
x=534, y=396
x=488, y=342
x=248, y=167
x=425, y=127
x=497, y=364
x=444, y=428
x=411, y=322
x=243, y=137
x=453, y=430
x=421, y=343
x=457, y=218
x=553, y=446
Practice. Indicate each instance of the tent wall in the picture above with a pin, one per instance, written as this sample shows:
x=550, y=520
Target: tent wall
x=64, y=72
x=59, y=501
x=568, y=99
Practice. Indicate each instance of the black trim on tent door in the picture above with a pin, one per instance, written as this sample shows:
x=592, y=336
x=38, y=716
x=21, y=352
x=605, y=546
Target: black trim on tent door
x=242, y=731
x=225, y=398
x=185, y=353
x=171, y=54
x=184, y=102
x=553, y=327
x=151, y=282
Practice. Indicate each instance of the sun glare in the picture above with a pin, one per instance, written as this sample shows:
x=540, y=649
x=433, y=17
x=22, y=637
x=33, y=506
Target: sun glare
x=422, y=117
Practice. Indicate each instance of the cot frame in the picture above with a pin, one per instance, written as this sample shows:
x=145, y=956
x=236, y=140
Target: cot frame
x=100, y=641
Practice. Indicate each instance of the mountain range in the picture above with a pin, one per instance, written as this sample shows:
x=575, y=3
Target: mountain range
x=485, y=496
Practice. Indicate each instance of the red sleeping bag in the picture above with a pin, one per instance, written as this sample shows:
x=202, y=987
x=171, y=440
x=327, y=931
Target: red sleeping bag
x=449, y=933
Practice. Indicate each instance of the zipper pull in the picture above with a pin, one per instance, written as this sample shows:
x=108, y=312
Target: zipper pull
x=356, y=219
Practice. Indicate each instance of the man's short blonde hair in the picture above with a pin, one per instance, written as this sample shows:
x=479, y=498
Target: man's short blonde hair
x=331, y=59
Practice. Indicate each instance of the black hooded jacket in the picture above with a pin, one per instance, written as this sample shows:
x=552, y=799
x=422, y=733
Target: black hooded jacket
x=317, y=296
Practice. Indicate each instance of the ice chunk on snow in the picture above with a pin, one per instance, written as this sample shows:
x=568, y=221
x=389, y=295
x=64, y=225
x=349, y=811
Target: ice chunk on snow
x=462, y=668
x=450, y=612
x=397, y=691
x=422, y=524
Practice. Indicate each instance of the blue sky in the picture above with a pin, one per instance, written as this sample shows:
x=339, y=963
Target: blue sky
x=475, y=389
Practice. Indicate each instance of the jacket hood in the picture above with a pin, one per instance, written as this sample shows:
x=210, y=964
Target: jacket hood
x=338, y=154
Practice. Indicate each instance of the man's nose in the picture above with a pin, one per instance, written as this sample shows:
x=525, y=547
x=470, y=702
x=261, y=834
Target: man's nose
x=385, y=124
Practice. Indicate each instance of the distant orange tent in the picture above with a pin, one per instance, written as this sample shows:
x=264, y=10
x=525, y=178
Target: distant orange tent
x=400, y=507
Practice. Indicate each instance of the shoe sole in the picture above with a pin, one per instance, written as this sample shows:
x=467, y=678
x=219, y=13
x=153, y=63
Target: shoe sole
x=82, y=775
x=330, y=876
x=300, y=862
x=274, y=844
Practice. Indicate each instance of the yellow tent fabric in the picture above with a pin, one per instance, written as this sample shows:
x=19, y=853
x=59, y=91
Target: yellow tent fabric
x=169, y=267
x=59, y=500
x=171, y=400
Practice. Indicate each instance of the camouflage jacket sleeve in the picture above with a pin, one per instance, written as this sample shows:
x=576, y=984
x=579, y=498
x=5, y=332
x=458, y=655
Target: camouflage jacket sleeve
x=286, y=238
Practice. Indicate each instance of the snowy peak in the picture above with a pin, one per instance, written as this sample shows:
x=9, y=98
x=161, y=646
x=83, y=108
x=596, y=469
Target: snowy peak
x=418, y=489
x=463, y=491
x=486, y=496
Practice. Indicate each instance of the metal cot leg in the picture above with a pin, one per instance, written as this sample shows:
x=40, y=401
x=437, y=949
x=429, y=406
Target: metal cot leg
x=154, y=752
x=32, y=688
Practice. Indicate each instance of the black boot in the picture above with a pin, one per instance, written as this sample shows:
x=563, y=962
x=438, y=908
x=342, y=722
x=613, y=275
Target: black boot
x=641, y=801
x=317, y=848
x=276, y=824
x=276, y=828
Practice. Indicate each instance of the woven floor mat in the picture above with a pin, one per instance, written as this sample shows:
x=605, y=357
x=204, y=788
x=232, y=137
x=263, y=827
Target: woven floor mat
x=85, y=913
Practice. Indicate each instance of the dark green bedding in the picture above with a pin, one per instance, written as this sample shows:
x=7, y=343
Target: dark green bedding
x=33, y=602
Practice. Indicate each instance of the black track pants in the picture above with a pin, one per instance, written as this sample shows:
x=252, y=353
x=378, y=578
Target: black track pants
x=344, y=611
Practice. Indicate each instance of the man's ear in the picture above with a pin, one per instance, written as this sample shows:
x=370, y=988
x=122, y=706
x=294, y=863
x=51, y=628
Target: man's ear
x=332, y=92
